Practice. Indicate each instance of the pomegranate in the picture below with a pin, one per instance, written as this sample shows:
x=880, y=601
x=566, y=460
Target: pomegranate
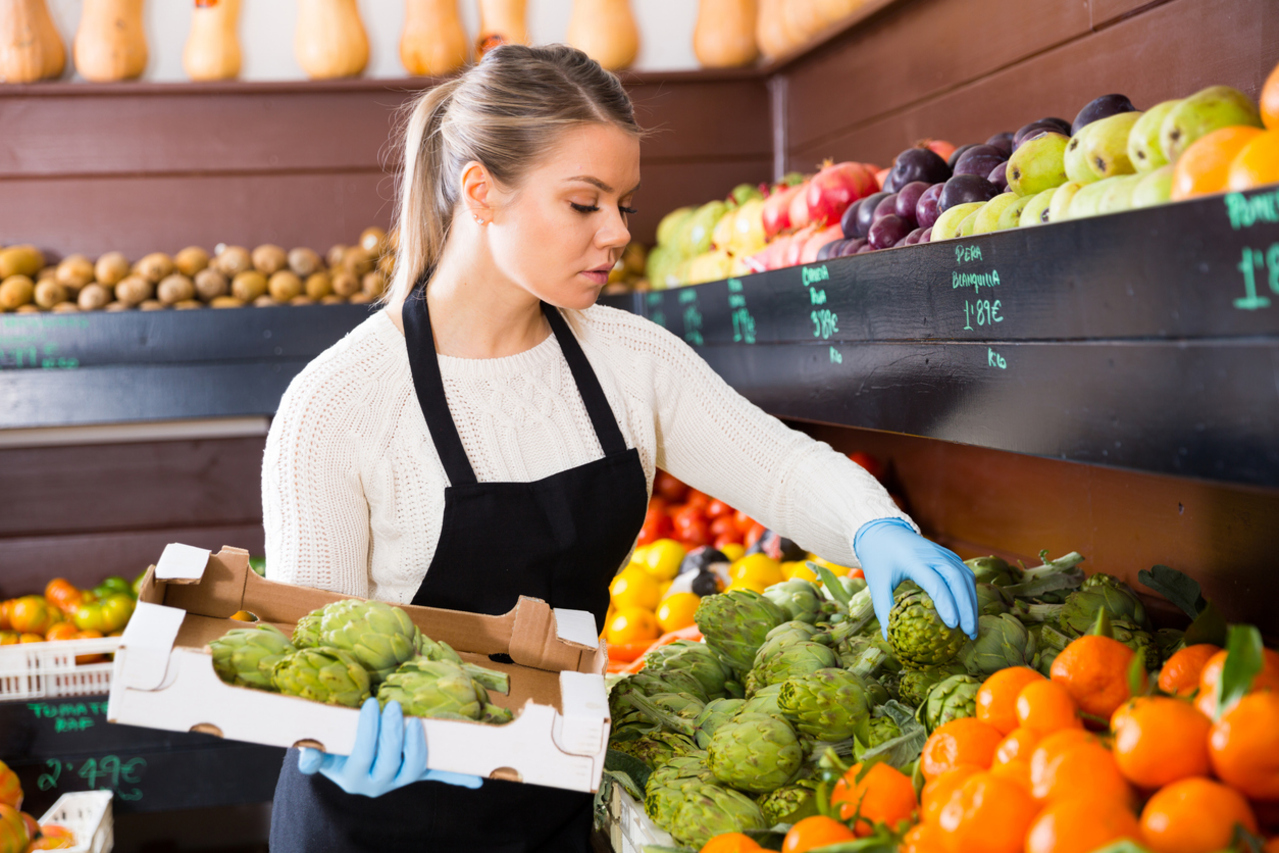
x=769, y=258
x=800, y=215
x=834, y=188
x=795, y=249
x=777, y=210
x=813, y=244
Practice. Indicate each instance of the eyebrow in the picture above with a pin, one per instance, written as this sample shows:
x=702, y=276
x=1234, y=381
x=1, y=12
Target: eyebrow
x=596, y=182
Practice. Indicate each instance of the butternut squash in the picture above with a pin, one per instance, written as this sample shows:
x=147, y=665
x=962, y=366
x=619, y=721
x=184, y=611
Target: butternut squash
x=110, y=43
x=605, y=31
x=771, y=30
x=501, y=22
x=30, y=47
x=724, y=36
x=330, y=40
x=212, y=50
x=803, y=21
x=433, y=42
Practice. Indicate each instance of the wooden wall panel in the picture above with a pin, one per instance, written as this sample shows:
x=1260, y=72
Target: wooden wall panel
x=987, y=501
x=1168, y=51
x=1105, y=12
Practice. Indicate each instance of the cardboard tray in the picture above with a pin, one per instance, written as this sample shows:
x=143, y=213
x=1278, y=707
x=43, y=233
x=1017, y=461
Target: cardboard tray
x=164, y=678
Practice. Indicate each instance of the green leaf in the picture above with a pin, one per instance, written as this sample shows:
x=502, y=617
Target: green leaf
x=631, y=773
x=1138, y=683
x=1244, y=840
x=1102, y=627
x=899, y=752
x=1178, y=587
x=1243, y=662
x=1209, y=627
x=832, y=584
x=659, y=848
x=1123, y=847
x=899, y=713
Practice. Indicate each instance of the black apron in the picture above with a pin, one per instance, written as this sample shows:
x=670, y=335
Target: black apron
x=560, y=539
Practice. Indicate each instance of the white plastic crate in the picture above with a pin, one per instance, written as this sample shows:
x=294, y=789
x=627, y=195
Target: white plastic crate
x=88, y=815
x=629, y=829
x=49, y=670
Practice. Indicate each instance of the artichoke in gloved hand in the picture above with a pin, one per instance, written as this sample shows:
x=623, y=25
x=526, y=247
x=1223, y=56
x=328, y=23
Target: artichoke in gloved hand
x=709, y=810
x=306, y=633
x=917, y=633
x=789, y=804
x=776, y=663
x=1002, y=641
x=322, y=674
x=802, y=601
x=755, y=752
x=245, y=656
x=380, y=636
x=438, y=688
x=915, y=683
x=734, y=625
x=1080, y=610
x=829, y=704
x=949, y=700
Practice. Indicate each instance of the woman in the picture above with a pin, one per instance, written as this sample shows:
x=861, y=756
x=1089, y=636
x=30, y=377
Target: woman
x=493, y=433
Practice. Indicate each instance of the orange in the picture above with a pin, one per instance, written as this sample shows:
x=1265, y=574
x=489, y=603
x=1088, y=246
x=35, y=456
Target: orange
x=1124, y=711
x=1203, y=168
x=1256, y=164
x=1017, y=770
x=1094, y=670
x=1046, y=706
x=816, y=831
x=730, y=842
x=922, y=838
x=1210, y=675
x=1056, y=770
x=1018, y=745
x=62, y=631
x=884, y=795
x=987, y=813
x=1269, y=100
x=937, y=791
x=1180, y=673
x=1194, y=815
x=1244, y=746
x=1162, y=740
x=631, y=625
x=963, y=741
x=677, y=610
x=1081, y=825
x=997, y=698
x=1272, y=846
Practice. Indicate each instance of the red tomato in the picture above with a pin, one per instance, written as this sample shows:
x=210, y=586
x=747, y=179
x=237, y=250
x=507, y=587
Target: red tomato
x=701, y=500
x=872, y=465
x=724, y=525
x=733, y=538
x=753, y=535
x=718, y=508
x=669, y=488
x=691, y=527
x=744, y=521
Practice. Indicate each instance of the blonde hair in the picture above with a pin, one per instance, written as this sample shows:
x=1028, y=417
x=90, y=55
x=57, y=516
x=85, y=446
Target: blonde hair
x=506, y=113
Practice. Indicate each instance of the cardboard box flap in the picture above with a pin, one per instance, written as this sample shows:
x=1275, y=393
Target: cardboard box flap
x=220, y=590
x=535, y=639
x=148, y=640
x=576, y=627
x=583, y=725
x=182, y=563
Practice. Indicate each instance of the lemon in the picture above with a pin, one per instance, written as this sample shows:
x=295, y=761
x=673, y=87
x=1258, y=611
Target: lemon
x=798, y=570
x=745, y=584
x=631, y=625
x=734, y=551
x=664, y=587
x=662, y=559
x=677, y=611
x=760, y=570
x=635, y=587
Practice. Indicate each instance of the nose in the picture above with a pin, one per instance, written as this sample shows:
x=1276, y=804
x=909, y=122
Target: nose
x=614, y=232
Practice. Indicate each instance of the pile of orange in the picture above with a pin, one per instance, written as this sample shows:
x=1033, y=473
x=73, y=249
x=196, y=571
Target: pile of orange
x=1233, y=159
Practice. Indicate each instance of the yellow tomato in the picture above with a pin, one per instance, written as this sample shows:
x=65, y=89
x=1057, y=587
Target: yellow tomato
x=664, y=587
x=631, y=625
x=798, y=570
x=677, y=611
x=634, y=587
x=835, y=568
x=638, y=555
x=759, y=569
x=745, y=584
x=734, y=551
x=662, y=559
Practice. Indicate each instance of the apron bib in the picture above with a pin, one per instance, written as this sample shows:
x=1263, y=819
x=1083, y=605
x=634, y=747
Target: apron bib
x=560, y=539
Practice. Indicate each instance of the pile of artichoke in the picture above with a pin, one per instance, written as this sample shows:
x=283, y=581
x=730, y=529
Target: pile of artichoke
x=741, y=732
x=350, y=650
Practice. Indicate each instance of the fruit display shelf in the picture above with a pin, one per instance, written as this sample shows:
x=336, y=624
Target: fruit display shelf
x=1145, y=340
x=95, y=368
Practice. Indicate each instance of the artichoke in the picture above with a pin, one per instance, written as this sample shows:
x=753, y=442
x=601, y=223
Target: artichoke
x=782, y=662
x=1002, y=641
x=245, y=656
x=1116, y=597
x=755, y=752
x=672, y=711
x=322, y=674
x=851, y=587
x=789, y=804
x=667, y=785
x=713, y=715
x=1050, y=643
x=991, y=600
x=763, y=702
x=436, y=688
x=993, y=570
x=651, y=684
x=709, y=810
x=380, y=636
x=802, y=601
x=880, y=731
x=949, y=700
x=735, y=624
x=694, y=659
x=829, y=704
x=657, y=748
x=794, y=631
x=915, y=684
x=1170, y=641
x=1139, y=640
x=917, y=634
x=306, y=633
x=876, y=692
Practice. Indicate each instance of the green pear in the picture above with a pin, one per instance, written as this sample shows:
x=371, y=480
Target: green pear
x=671, y=223
x=1078, y=169
x=1011, y=217
x=1057, y=211
x=987, y=219
x=1118, y=195
x=970, y=222
x=1106, y=144
x=1201, y=114
x=695, y=236
x=1154, y=188
x=1144, y=151
x=1085, y=202
x=1039, y=164
x=1036, y=213
x=947, y=225
x=743, y=193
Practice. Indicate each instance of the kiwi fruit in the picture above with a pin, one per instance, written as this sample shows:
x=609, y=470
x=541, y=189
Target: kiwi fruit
x=111, y=269
x=373, y=284
x=151, y=305
x=65, y=308
x=74, y=272
x=373, y=240
x=268, y=259
x=284, y=285
x=226, y=302
x=49, y=293
x=20, y=260
x=304, y=262
x=175, y=288
x=191, y=260
x=248, y=285
x=93, y=297
x=187, y=304
x=154, y=267
x=232, y=261
x=345, y=283
x=211, y=283
x=264, y=301
x=134, y=290
x=318, y=285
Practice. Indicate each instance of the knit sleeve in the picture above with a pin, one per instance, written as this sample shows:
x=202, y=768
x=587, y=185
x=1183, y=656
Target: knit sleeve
x=717, y=441
x=314, y=507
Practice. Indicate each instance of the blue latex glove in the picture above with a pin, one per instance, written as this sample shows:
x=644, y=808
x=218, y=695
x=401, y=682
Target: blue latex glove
x=387, y=755
x=891, y=551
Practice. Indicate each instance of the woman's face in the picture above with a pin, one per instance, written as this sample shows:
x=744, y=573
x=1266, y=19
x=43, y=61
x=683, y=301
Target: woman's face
x=561, y=231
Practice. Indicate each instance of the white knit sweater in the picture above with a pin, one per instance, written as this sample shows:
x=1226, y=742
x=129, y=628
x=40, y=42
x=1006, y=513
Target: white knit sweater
x=353, y=489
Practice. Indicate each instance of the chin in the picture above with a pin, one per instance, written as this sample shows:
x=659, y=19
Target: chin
x=575, y=299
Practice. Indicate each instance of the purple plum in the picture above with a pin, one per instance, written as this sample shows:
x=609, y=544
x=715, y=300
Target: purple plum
x=908, y=199
x=1099, y=108
x=965, y=188
x=887, y=205
x=913, y=237
x=866, y=214
x=1043, y=125
x=916, y=164
x=887, y=230
x=926, y=211
x=979, y=160
x=999, y=176
x=851, y=247
x=956, y=154
x=864, y=249
x=830, y=250
x=848, y=222
x=1002, y=141
x=927, y=236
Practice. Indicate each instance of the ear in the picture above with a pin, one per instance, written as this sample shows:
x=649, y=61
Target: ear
x=477, y=190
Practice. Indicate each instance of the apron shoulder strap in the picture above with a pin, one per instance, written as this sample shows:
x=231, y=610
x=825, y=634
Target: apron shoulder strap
x=429, y=385
x=588, y=384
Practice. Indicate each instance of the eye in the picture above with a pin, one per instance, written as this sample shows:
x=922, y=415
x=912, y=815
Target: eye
x=584, y=208
x=630, y=210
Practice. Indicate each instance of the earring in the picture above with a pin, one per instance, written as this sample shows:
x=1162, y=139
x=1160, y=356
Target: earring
x=478, y=220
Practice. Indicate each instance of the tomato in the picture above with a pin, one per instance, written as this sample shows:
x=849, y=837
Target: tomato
x=657, y=525
x=62, y=594
x=743, y=521
x=718, y=508
x=726, y=541
x=701, y=500
x=872, y=465
x=61, y=631
x=691, y=527
x=669, y=487
x=725, y=524
x=88, y=617
x=31, y=614
x=6, y=607
x=752, y=536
